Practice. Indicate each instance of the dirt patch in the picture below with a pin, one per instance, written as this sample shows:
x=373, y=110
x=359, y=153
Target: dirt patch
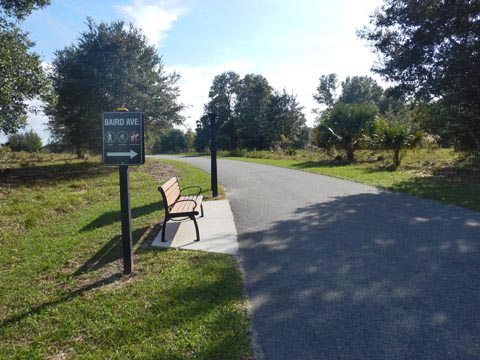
x=158, y=170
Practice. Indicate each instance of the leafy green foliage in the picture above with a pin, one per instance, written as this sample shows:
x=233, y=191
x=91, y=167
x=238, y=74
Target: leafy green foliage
x=110, y=66
x=355, y=90
x=190, y=139
x=21, y=8
x=326, y=90
x=251, y=107
x=360, y=89
x=431, y=49
x=347, y=126
x=203, y=131
x=250, y=114
x=223, y=94
x=173, y=141
x=285, y=121
x=22, y=76
x=28, y=141
x=396, y=136
x=5, y=153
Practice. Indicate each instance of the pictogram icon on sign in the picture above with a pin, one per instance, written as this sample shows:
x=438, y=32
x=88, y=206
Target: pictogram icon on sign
x=109, y=137
x=122, y=137
x=134, y=137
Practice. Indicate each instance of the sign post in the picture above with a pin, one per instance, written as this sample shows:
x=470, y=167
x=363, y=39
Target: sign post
x=123, y=145
x=126, y=216
x=213, y=153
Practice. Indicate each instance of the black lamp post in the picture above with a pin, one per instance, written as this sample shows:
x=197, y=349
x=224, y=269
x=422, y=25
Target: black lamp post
x=213, y=153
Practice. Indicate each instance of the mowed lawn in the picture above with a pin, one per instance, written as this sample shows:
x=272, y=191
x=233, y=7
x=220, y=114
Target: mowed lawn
x=62, y=292
x=433, y=174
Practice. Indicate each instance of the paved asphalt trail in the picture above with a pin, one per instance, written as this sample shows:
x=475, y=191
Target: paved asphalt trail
x=340, y=270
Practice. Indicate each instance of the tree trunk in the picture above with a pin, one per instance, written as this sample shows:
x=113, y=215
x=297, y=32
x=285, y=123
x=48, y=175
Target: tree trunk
x=475, y=139
x=350, y=154
x=396, y=157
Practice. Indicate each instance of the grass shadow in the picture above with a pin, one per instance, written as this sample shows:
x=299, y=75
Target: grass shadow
x=442, y=189
x=50, y=174
x=321, y=163
x=62, y=299
x=112, y=217
x=110, y=252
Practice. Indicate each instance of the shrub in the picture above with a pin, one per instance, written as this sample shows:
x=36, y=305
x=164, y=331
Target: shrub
x=5, y=157
x=346, y=126
x=172, y=141
x=397, y=137
x=28, y=141
x=237, y=152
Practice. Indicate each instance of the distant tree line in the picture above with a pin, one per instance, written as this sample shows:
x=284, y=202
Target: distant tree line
x=429, y=52
x=250, y=114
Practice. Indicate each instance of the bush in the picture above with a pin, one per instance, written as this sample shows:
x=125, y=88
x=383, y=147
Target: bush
x=173, y=141
x=396, y=137
x=346, y=126
x=237, y=152
x=5, y=157
x=28, y=141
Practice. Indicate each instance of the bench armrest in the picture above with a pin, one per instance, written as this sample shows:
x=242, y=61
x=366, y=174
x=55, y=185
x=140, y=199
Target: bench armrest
x=190, y=187
x=183, y=200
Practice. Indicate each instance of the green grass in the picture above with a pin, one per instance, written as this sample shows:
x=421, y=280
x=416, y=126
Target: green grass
x=62, y=293
x=433, y=174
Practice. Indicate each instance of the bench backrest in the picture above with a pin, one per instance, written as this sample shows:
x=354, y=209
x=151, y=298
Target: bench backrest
x=170, y=192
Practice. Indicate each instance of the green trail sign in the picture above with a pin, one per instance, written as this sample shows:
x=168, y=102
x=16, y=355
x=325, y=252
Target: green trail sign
x=123, y=137
x=122, y=133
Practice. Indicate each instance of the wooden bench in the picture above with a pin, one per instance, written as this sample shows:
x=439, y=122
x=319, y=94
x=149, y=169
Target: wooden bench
x=178, y=206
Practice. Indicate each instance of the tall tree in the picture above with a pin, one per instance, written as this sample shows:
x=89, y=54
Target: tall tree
x=250, y=109
x=431, y=49
x=285, y=118
x=360, y=89
x=223, y=94
x=354, y=90
x=325, y=94
x=110, y=66
x=22, y=77
x=203, y=134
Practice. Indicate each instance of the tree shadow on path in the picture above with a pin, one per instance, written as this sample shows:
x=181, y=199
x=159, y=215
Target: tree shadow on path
x=367, y=276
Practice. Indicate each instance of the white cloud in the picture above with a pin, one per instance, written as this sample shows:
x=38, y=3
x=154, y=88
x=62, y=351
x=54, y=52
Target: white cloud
x=300, y=78
x=155, y=18
x=195, y=83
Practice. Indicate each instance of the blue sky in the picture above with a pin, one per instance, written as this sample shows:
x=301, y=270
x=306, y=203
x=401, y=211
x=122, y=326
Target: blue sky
x=291, y=42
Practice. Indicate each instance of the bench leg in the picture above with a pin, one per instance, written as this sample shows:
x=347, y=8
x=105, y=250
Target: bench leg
x=196, y=227
x=201, y=208
x=163, y=229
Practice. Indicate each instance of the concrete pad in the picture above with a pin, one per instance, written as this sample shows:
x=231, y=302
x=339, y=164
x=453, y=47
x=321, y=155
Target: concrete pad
x=217, y=231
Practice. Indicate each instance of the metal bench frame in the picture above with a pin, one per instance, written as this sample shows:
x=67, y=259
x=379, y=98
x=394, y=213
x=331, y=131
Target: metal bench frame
x=190, y=214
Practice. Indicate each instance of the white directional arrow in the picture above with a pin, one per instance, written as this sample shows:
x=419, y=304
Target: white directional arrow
x=131, y=153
